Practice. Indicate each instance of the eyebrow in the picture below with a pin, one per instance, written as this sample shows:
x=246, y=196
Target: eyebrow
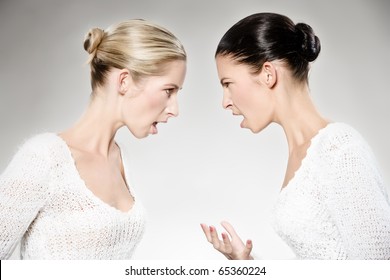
x=173, y=85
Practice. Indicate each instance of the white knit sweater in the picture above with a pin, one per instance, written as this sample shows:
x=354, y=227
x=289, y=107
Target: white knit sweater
x=336, y=205
x=44, y=202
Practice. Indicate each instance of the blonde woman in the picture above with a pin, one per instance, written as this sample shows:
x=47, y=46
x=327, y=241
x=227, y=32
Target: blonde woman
x=333, y=202
x=67, y=195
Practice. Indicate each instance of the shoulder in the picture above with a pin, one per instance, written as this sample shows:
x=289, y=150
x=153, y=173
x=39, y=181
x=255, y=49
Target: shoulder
x=342, y=133
x=342, y=147
x=37, y=153
x=340, y=141
x=42, y=139
x=338, y=136
x=39, y=144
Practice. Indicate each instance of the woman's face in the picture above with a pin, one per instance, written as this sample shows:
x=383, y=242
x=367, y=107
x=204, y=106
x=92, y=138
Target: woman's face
x=245, y=94
x=154, y=100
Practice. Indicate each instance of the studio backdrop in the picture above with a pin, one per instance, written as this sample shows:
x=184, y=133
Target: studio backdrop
x=201, y=167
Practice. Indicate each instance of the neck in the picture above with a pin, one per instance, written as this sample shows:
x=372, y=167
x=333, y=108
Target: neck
x=94, y=132
x=299, y=118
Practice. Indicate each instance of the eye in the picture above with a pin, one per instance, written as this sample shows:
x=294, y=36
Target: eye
x=226, y=84
x=170, y=91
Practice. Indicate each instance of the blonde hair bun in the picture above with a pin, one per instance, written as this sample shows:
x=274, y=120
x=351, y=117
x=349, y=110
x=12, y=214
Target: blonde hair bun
x=142, y=47
x=92, y=41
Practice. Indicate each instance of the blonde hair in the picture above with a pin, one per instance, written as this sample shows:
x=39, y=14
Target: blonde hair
x=140, y=46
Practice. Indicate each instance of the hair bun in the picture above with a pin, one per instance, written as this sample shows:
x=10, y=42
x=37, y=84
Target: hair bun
x=93, y=39
x=308, y=44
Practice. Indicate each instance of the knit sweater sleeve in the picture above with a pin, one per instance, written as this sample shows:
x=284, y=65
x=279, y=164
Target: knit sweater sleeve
x=358, y=203
x=23, y=192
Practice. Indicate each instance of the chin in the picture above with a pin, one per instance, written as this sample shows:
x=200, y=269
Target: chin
x=256, y=130
x=139, y=134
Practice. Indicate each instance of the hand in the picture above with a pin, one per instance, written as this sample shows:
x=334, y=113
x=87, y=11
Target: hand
x=231, y=247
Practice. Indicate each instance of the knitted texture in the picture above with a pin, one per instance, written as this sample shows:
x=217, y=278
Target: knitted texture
x=336, y=205
x=45, y=204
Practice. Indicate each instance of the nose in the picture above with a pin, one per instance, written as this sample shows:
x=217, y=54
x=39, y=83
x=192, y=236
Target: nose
x=173, y=107
x=226, y=101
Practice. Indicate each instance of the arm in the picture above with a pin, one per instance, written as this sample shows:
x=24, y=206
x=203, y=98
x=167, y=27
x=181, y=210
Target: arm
x=358, y=203
x=232, y=248
x=23, y=191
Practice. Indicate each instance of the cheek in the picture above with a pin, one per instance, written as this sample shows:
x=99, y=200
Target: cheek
x=143, y=108
x=244, y=98
x=155, y=102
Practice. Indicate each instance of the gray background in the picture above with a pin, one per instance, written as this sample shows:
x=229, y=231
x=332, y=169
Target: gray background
x=201, y=167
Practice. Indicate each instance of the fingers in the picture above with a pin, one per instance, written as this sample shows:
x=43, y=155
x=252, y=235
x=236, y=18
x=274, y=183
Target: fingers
x=249, y=245
x=231, y=245
x=227, y=243
x=211, y=234
x=248, y=248
x=214, y=238
x=229, y=228
x=206, y=231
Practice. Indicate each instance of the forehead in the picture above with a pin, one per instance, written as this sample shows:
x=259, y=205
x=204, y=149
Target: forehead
x=173, y=72
x=176, y=67
x=227, y=65
x=224, y=60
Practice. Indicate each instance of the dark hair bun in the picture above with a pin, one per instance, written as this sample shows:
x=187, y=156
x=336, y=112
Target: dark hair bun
x=265, y=37
x=308, y=44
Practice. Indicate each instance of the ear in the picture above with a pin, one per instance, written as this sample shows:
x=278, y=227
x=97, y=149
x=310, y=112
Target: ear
x=124, y=81
x=268, y=74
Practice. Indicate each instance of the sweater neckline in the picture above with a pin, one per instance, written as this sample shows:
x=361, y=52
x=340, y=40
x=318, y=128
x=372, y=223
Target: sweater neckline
x=313, y=143
x=97, y=199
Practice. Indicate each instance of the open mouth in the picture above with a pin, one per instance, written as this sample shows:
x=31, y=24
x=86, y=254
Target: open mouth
x=153, y=128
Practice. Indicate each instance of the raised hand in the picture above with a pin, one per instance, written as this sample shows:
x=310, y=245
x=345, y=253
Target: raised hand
x=231, y=245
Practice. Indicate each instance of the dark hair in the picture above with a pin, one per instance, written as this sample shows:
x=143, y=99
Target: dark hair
x=266, y=37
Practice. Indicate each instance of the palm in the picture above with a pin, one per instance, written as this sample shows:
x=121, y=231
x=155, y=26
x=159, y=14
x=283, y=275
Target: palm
x=233, y=248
